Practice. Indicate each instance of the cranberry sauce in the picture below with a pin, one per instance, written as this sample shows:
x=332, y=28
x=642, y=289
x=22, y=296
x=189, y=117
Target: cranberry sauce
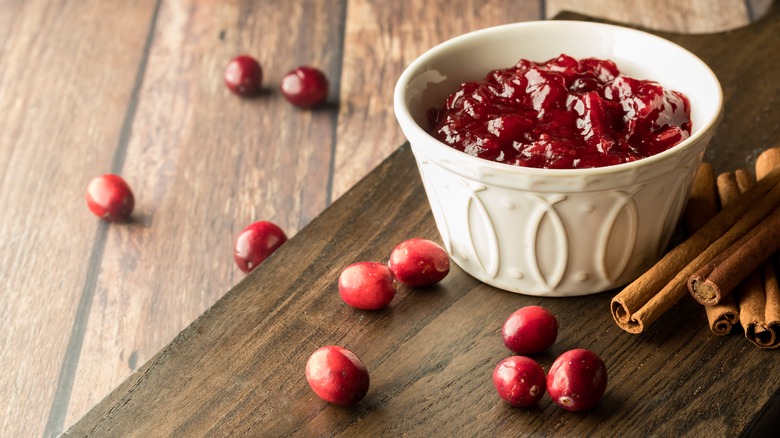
x=562, y=114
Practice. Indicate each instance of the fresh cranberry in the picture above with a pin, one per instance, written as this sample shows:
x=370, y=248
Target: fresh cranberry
x=243, y=75
x=562, y=113
x=367, y=285
x=519, y=380
x=577, y=380
x=337, y=375
x=419, y=262
x=530, y=330
x=305, y=87
x=258, y=241
x=110, y=198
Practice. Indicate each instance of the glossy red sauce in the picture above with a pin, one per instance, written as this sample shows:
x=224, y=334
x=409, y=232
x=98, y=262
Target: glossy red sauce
x=562, y=114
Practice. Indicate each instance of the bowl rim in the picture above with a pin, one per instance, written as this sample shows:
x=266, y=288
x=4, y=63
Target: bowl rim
x=406, y=120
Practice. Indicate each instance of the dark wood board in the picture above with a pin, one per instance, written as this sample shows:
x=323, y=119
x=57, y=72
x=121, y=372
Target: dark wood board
x=239, y=368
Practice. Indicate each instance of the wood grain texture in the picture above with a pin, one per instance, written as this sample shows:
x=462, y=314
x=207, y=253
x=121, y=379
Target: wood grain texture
x=238, y=369
x=692, y=16
x=398, y=32
x=204, y=164
x=85, y=90
x=63, y=104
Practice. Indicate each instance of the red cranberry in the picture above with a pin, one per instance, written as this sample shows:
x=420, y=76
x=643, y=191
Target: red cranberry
x=519, y=380
x=256, y=243
x=305, y=87
x=577, y=380
x=336, y=375
x=243, y=75
x=367, y=285
x=419, y=262
x=110, y=198
x=530, y=330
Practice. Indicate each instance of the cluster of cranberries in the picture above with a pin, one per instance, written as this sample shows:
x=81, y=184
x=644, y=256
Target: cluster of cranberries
x=110, y=198
x=576, y=381
x=577, y=378
x=336, y=374
x=372, y=285
x=304, y=87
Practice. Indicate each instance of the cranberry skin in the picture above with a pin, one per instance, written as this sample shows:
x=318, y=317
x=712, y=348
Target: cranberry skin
x=519, y=380
x=258, y=241
x=530, y=330
x=419, y=262
x=305, y=87
x=243, y=75
x=577, y=380
x=367, y=285
x=110, y=198
x=337, y=375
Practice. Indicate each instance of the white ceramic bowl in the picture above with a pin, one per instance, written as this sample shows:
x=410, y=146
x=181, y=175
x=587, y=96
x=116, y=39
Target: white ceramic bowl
x=554, y=232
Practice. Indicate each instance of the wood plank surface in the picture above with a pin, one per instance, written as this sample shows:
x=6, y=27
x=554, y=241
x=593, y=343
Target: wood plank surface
x=238, y=369
x=693, y=16
x=136, y=88
x=63, y=103
x=259, y=170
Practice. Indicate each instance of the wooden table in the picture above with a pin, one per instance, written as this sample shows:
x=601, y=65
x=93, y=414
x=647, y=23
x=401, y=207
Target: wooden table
x=94, y=87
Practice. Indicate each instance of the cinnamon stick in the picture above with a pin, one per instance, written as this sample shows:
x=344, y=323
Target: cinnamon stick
x=703, y=200
x=716, y=279
x=759, y=301
x=648, y=297
x=759, y=309
x=724, y=316
x=766, y=162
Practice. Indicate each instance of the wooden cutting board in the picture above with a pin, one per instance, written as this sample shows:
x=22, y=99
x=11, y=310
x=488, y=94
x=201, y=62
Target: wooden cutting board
x=239, y=368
